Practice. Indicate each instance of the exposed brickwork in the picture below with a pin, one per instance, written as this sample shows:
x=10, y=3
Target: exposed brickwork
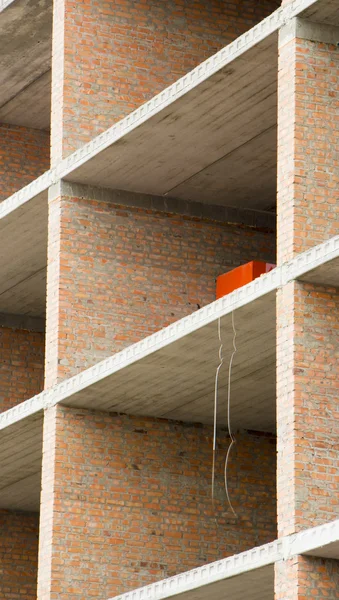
x=118, y=274
x=22, y=356
x=308, y=213
x=132, y=501
x=305, y=577
x=308, y=134
x=110, y=57
x=24, y=155
x=18, y=555
x=308, y=411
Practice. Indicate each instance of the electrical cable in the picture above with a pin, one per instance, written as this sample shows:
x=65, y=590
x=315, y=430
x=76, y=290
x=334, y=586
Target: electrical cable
x=232, y=438
x=221, y=360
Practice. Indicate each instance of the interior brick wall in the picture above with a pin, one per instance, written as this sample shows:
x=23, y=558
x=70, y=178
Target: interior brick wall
x=117, y=274
x=305, y=577
x=24, y=156
x=21, y=366
x=110, y=57
x=308, y=410
x=18, y=555
x=126, y=501
x=308, y=131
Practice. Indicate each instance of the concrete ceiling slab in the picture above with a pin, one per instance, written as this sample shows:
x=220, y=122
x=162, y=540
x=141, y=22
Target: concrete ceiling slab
x=319, y=265
x=31, y=107
x=25, y=62
x=326, y=275
x=20, y=464
x=325, y=12
x=23, y=258
x=215, y=144
x=177, y=382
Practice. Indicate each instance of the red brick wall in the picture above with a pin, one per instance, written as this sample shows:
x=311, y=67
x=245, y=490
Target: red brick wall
x=21, y=366
x=118, y=54
x=132, y=501
x=304, y=577
x=24, y=155
x=308, y=410
x=18, y=555
x=308, y=214
x=118, y=274
x=308, y=197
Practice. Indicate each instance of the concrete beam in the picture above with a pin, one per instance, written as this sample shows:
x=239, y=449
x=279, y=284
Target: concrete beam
x=22, y=322
x=224, y=214
x=307, y=262
x=307, y=30
x=229, y=577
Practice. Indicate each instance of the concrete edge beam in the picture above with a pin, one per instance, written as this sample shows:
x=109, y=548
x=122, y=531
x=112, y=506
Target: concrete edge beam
x=145, y=347
x=310, y=540
x=27, y=193
x=4, y=4
x=223, y=214
x=256, y=558
x=307, y=30
x=307, y=261
x=303, y=263
x=22, y=322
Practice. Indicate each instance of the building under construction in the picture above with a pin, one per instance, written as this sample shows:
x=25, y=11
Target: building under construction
x=167, y=427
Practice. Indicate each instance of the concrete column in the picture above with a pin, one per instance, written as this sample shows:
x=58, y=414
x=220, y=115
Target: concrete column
x=121, y=266
x=307, y=315
x=109, y=59
x=126, y=501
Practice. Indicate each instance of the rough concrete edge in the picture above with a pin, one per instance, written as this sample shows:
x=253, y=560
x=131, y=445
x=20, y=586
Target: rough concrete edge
x=5, y=3
x=306, y=262
x=311, y=541
x=27, y=193
x=308, y=541
x=22, y=411
x=256, y=558
x=69, y=387
x=224, y=214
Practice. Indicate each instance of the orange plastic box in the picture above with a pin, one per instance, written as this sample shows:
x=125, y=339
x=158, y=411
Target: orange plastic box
x=228, y=282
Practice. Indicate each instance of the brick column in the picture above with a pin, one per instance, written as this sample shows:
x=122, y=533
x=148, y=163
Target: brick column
x=304, y=577
x=308, y=130
x=110, y=58
x=307, y=315
x=126, y=501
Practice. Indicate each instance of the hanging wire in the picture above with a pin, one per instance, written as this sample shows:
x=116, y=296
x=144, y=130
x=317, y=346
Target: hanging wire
x=232, y=438
x=221, y=360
